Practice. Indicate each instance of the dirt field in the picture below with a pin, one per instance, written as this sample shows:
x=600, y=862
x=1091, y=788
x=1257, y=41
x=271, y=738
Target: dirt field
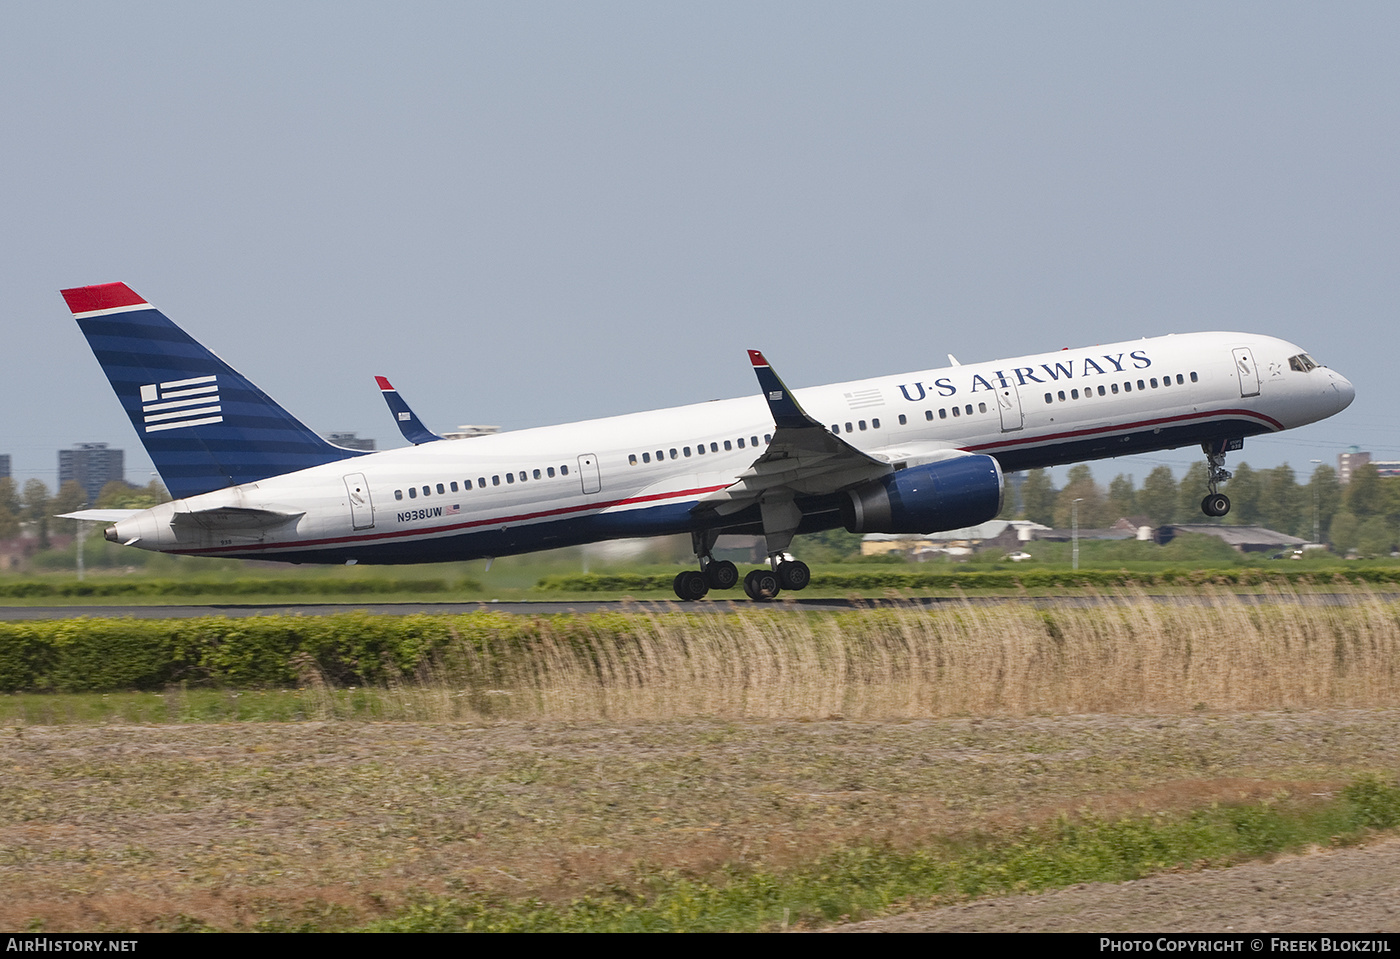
x=173, y=826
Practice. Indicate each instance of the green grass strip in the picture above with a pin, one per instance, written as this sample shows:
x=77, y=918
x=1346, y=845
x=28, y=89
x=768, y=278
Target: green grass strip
x=872, y=881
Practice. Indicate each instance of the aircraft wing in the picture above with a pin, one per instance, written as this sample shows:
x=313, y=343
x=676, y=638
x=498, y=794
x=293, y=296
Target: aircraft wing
x=408, y=422
x=804, y=458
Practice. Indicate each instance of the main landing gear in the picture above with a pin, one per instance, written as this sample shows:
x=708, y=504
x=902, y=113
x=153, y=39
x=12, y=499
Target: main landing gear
x=760, y=584
x=1217, y=503
x=693, y=584
x=784, y=573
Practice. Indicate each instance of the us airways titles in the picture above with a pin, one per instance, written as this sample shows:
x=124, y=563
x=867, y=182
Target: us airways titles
x=1044, y=373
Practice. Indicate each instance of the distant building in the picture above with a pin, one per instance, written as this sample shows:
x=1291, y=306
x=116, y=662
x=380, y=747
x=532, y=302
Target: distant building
x=1141, y=526
x=1349, y=462
x=4, y=465
x=470, y=432
x=350, y=441
x=92, y=466
x=1387, y=467
x=1245, y=539
x=1115, y=532
x=1006, y=534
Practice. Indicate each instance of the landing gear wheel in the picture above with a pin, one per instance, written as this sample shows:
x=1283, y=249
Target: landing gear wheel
x=761, y=584
x=1215, y=504
x=690, y=585
x=794, y=574
x=722, y=575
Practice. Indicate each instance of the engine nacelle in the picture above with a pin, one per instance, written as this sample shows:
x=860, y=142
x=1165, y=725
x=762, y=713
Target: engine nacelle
x=948, y=494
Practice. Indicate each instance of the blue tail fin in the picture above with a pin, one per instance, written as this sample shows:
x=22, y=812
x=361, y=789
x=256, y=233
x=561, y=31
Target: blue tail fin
x=407, y=421
x=204, y=425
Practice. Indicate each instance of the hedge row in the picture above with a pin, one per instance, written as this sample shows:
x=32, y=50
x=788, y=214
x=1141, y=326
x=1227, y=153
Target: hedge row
x=883, y=578
x=283, y=586
x=82, y=655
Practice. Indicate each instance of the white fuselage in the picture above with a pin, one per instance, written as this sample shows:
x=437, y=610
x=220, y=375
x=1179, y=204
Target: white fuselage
x=643, y=473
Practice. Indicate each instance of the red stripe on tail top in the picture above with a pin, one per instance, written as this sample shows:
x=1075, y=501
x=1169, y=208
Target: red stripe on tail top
x=104, y=296
x=384, y=384
x=756, y=358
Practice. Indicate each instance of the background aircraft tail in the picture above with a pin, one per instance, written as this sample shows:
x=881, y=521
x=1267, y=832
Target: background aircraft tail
x=204, y=425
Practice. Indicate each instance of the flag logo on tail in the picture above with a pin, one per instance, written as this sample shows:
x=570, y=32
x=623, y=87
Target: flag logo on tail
x=192, y=402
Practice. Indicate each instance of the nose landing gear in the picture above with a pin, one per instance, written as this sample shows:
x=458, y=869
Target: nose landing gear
x=1217, y=503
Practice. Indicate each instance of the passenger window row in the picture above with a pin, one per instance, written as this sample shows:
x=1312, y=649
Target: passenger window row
x=523, y=476
x=956, y=411
x=1144, y=384
x=942, y=413
x=699, y=450
x=858, y=425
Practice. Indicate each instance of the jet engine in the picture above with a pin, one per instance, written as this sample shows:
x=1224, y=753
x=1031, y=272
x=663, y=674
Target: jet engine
x=948, y=494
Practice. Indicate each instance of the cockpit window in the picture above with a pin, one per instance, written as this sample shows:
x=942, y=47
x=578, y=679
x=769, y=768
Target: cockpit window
x=1302, y=363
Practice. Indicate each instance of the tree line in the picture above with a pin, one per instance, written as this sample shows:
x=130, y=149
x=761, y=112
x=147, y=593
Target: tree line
x=1363, y=515
x=34, y=507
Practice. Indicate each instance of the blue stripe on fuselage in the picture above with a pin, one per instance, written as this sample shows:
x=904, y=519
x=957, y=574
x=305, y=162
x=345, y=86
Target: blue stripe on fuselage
x=1061, y=451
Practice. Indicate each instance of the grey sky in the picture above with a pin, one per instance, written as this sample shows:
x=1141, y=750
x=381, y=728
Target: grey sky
x=532, y=213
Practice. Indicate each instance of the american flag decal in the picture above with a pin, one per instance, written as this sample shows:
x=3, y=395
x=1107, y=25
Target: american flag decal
x=861, y=399
x=192, y=402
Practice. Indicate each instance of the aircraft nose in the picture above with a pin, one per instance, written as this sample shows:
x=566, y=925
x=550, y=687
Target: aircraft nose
x=1343, y=386
x=1344, y=390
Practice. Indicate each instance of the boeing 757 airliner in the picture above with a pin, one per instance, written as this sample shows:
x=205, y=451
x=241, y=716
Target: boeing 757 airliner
x=910, y=453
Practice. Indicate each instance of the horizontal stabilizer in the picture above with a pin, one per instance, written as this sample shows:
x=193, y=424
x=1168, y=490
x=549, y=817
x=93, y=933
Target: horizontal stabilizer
x=101, y=515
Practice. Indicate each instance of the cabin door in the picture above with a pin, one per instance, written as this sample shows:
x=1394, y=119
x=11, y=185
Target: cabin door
x=1009, y=405
x=588, y=473
x=361, y=506
x=1248, y=373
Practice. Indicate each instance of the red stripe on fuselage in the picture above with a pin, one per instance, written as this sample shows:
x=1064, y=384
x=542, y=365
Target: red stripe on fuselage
x=104, y=296
x=495, y=521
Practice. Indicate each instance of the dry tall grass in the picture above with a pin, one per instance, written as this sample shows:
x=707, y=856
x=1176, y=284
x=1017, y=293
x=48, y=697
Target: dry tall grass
x=1128, y=654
